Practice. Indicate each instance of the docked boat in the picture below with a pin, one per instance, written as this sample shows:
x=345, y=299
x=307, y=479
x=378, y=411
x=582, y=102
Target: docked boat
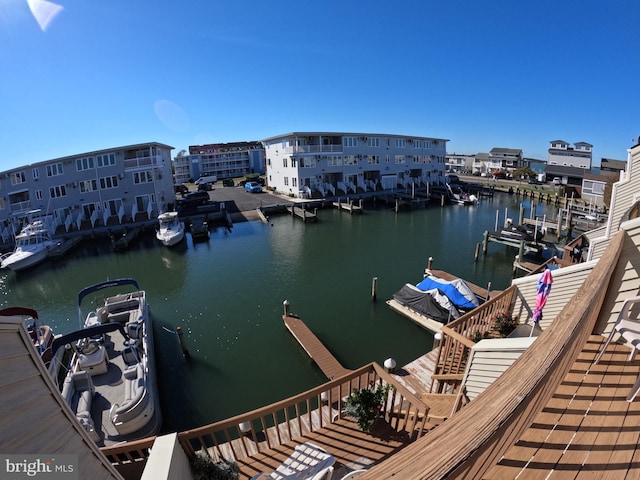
x=171, y=229
x=32, y=247
x=110, y=382
x=41, y=335
x=459, y=197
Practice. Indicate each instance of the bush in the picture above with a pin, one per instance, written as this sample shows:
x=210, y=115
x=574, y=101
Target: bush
x=504, y=323
x=204, y=467
x=365, y=405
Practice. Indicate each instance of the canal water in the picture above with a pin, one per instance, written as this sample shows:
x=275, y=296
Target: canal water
x=227, y=296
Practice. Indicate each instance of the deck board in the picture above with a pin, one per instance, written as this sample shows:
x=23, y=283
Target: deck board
x=587, y=429
x=329, y=365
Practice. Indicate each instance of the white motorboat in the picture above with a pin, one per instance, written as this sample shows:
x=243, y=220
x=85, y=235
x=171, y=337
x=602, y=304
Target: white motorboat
x=110, y=382
x=32, y=247
x=171, y=231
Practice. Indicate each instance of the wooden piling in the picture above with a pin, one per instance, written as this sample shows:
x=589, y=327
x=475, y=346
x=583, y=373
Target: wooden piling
x=475, y=258
x=374, y=285
x=183, y=343
x=485, y=242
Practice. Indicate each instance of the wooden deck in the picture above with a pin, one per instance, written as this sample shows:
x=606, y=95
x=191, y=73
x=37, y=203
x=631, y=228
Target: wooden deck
x=348, y=206
x=425, y=322
x=587, y=429
x=314, y=348
x=352, y=448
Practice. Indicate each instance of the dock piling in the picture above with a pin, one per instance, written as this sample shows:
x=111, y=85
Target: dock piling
x=374, y=286
x=183, y=344
x=287, y=308
x=475, y=258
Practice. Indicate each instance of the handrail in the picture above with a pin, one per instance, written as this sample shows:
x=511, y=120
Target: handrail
x=500, y=415
x=287, y=420
x=457, y=336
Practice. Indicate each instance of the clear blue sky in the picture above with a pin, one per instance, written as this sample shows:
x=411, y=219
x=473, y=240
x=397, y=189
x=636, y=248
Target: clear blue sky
x=484, y=74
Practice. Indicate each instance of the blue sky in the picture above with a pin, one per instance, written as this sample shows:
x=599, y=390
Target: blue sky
x=483, y=74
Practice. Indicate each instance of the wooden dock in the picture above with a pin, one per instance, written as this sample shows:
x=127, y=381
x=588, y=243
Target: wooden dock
x=303, y=214
x=348, y=206
x=422, y=320
x=315, y=348
x=63, y=246
x=121, y=240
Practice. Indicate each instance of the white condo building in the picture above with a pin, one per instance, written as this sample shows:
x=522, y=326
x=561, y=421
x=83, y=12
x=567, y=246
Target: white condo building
x=87, y=190
x=318, y=164
x=562, y=154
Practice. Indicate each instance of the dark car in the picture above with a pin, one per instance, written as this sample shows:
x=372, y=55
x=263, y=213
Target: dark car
x=193, y=199
x=534, y=181
x=182, y=188
x=205, y=187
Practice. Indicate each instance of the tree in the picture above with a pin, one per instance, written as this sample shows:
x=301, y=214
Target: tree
x=523, y=172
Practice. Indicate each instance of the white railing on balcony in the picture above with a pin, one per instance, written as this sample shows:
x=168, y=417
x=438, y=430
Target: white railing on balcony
x=105, y=217
x=142, y=162
x=134, y=211
x=121, y=213
x=79, y=219
x=330, y=188
x=316, y=149
x=362, y=184
x=94, y=218
x=149, y=210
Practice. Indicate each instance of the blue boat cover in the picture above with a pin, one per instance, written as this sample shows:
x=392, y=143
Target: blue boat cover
x=457, y=291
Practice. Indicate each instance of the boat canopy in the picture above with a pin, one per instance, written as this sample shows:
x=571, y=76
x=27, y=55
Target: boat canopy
x=109, y=283
x=432, y=303
x=88, y=332
x=456, y=290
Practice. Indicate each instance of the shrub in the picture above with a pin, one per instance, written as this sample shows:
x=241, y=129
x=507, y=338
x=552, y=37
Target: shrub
x=365, y=405
x=504, y=323
x=204, y=467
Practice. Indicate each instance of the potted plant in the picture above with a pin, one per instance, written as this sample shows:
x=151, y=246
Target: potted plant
x=504, y=323
x=365, y=405
x=204, y=467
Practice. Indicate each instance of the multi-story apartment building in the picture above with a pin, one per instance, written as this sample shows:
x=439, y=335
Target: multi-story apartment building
x=224, y=160
x=562, y=154
x=316, y=164
x=509, y=159
x=104, y=187
x=457, y=163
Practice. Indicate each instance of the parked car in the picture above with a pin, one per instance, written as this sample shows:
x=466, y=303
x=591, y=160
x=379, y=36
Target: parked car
x=193, y=199
x=252, y=187
x=205, y=187
x=228, y=182
x=557, y=181
x=182, y=188
x=534, y=181
x=206, y=179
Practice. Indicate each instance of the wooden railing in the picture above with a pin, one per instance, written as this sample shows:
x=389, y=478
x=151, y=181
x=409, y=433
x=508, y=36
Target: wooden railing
x=285, y=421
x=457, y=340
x=469, y=443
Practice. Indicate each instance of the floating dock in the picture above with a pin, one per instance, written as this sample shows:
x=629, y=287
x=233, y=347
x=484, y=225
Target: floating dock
x=348, y=206
x=121, y=240
x=329, y=365
x=303, y=214
x=199, y=228
x=63, y=246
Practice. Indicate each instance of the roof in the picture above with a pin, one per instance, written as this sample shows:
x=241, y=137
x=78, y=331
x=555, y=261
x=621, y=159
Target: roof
x=583, y=143
x=559, y=141
x=561, y=170
x=513, y=151
x=612, y=164
x=355, y=134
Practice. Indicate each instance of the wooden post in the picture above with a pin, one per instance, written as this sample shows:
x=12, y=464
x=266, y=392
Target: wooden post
x=521, y=249
x=559, y=223
x=442, y=201
x=374, y=285
x=475, y=258
x=521, y=215
x=485, y=242
x=285, y=304
x=183, y=344
x=430, y=263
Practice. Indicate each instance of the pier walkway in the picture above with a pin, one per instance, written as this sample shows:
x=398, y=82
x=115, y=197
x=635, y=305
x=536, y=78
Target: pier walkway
x=329, y=365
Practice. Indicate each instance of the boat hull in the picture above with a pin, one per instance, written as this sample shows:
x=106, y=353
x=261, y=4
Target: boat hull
x=169, y=239
x=20, y=260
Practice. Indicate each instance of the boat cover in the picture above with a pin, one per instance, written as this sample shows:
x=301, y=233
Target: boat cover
x=456, y=290
x=433, y=304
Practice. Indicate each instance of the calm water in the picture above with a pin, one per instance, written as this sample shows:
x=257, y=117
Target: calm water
x=227, y=296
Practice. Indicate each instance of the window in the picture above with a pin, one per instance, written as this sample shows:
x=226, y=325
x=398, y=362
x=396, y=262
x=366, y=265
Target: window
x=284, y=162
x=401, y=143
x=294, y=181
x=2, y=207
x=334, y=161
x=143, y=177
x=84, y=163
x=286, y=181
x=106, y=160
x=350, y=160
x=54, y=169
x=308, y=162
x=400, y=159
x=294, y=163
x=35, y=173
x=58, y=191
x=17, y=178
x=38, y=194
x=349, y=142
x=88, y=186
x=109, y=182
x=373, y=159
x=373, y=142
